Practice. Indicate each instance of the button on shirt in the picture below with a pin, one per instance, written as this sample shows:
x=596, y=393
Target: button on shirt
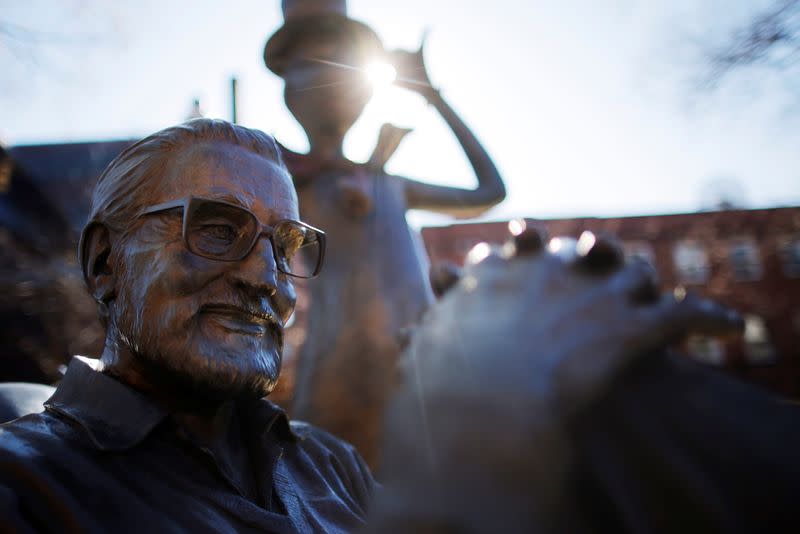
x=104, y=458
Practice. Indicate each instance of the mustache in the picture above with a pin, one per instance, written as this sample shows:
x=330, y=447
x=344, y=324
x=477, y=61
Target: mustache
x=258, y=309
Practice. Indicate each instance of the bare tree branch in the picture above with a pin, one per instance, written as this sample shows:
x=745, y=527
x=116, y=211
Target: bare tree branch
x=772, y=38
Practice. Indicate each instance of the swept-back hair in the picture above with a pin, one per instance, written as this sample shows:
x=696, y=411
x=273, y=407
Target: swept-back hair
x=128, y=183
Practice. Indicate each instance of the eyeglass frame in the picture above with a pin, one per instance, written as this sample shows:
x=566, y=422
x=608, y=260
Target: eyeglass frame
x=264, y=230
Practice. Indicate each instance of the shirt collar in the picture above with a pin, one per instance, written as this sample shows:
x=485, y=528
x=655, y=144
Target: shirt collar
x=117, y=417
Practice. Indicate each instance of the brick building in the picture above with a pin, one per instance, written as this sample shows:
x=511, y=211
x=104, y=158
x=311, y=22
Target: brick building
x=747, y=259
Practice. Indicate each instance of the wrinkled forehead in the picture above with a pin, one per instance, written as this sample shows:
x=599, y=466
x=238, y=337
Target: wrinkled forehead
x=231, y=173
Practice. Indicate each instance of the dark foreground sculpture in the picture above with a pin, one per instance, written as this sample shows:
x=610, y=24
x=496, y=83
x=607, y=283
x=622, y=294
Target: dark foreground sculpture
x=374, y=285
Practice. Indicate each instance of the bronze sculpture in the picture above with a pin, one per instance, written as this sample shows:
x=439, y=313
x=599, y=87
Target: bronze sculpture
x=189, y=254
x=374, y=285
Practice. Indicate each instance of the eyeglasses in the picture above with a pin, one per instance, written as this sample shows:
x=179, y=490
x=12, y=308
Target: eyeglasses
x=223, y=231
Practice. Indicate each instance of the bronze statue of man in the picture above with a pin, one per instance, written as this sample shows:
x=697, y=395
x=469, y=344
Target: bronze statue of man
x=190, y=253
x=374, y=285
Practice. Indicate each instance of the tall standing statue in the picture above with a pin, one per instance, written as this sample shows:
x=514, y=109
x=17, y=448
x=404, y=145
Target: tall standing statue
x=374, y=284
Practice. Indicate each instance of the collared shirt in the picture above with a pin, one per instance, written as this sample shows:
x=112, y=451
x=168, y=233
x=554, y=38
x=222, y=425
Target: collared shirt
x=104, y=458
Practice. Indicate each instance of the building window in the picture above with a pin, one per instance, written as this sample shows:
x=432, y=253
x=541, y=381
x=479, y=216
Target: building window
x=707, y=350
x=790, y=257
x=639, y=250
x=691, y=262
x=758, y=349
x=745, y=260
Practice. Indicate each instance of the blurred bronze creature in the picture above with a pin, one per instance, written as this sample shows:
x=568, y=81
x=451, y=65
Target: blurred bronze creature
x=557, y=409
x=374, y=285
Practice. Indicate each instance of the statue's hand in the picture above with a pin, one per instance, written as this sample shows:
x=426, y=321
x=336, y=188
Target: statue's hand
x=411, y=71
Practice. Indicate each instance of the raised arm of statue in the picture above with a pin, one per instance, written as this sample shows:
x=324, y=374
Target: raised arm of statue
x=412, y=74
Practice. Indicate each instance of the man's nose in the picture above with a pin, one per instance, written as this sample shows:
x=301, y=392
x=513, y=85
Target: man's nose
x=258, y=269
x=258, y=273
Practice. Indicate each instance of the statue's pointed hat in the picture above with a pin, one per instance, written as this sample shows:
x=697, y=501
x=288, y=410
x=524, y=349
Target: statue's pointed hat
x=303, y=19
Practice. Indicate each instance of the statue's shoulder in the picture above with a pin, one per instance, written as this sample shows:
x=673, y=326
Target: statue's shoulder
x=335, y=460
x=34, y=438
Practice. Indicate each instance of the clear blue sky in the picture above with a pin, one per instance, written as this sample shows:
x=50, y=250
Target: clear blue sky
x=587, y=110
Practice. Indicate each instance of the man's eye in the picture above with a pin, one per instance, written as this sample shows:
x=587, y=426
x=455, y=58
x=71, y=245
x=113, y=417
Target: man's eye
x=219, y=231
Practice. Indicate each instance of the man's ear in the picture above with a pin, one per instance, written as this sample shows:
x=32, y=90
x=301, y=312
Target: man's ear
x=95, y=254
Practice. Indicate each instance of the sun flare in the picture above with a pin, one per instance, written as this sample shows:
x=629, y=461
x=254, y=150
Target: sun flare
x=380, y=75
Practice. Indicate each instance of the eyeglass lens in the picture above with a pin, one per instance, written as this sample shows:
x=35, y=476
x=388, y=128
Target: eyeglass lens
x=297, y=249
x=225, y=232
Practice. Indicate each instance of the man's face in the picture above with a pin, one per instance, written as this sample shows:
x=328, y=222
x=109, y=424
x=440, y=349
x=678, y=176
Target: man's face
x=201, y=320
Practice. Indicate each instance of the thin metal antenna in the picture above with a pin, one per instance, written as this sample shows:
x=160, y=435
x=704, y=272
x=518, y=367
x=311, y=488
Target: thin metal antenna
x=233, y=99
